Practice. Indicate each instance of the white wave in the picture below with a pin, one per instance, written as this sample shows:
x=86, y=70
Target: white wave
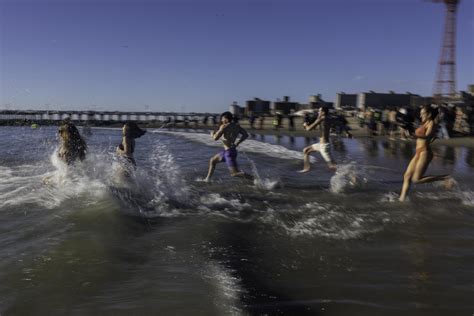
x=38, y=184
x=391, y=197
x=226, y=289
x=348, y=177
x=214, y=200
x=467, y=197
x=326, y=220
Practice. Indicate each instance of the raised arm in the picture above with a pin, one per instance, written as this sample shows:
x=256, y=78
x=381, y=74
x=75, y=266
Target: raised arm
x=314, y=124
x=124, y=149
x=428, y=131
x=219, y=133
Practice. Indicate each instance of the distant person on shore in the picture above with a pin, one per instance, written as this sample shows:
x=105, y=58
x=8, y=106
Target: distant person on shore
x=277, y=121
x=228, y=130
x=261, y=120
x=291, y=121
x=461, y=126
x=371, y=125
x=384, y=127
x=251, y=120
x=323, y=147
x=392, y=123
x=405, y=123
x=125, y=150
x=72, y=145
x=342, y=125
x=416, y=169
x=442, y=125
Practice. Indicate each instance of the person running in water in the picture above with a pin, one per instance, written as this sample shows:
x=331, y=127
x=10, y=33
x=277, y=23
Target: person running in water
x=130, y=132
x=323, y=121
x=416, y=169
x=72, y=145
x=228, y=131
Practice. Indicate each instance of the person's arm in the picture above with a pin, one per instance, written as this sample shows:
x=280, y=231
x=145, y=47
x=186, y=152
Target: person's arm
x=244, y=136
x=428, y=132
x=219, y=133
x=314, y=124
x=126, y=146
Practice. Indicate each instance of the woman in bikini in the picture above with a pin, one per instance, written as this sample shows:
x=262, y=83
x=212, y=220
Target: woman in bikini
x=72, y=146
x=419, y=163
x=130, y=132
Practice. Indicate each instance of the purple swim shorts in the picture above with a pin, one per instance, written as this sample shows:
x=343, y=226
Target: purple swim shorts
x=229, y=156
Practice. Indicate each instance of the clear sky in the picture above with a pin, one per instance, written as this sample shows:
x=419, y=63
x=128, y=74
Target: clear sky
x=200, y=55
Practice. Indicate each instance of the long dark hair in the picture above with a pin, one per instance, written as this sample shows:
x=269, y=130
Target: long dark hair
x=228, y=116
x=133, y=130
x=431, y=110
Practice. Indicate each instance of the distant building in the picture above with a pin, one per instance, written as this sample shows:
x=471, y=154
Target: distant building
x=257, y=107
x=315, y=102
x=467, y=97
x=236, y=109
x=344, y=100
x=470, y=89
x=417, y=101
x=285, y=106
x=384, y=100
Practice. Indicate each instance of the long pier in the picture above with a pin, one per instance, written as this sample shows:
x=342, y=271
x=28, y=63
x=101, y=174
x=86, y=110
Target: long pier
x=100, y=117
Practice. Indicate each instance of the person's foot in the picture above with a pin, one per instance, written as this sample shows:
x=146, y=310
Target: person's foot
x=207, y=180
x=304, y=170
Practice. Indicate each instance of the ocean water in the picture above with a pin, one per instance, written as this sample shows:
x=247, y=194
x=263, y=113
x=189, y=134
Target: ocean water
x=164, y=242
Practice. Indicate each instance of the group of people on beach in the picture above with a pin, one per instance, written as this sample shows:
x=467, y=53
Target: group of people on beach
x=73, y=146
x=452, y=121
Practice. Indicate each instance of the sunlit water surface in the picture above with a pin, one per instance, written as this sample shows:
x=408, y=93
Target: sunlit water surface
x=166, y=243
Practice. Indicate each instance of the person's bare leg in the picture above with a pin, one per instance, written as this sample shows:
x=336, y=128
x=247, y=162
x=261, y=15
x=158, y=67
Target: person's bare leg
x=306, y=166
x=420, y=169
x=407, y=179
x=212, y=166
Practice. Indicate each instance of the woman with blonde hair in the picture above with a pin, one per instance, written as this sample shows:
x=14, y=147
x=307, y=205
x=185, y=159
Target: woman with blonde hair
x=73, y=146
x=416, y=169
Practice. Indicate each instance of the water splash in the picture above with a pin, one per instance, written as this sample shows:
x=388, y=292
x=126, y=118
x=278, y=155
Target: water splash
x=259, y=182
x=39, y=184
x=348, y=177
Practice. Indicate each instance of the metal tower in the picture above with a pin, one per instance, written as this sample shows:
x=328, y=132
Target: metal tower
x=445, y=82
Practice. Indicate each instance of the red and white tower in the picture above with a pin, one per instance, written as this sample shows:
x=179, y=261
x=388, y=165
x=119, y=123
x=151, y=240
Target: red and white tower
x=445, y=82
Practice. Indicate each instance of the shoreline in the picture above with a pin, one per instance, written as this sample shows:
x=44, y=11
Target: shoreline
x=356, y=131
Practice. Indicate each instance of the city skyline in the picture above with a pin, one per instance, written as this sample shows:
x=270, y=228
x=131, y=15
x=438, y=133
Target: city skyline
x=201, y=56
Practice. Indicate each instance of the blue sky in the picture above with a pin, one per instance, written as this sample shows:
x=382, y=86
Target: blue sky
x=200, y=55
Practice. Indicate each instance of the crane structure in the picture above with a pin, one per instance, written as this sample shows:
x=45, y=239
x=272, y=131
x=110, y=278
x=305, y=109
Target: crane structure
x=445, y=82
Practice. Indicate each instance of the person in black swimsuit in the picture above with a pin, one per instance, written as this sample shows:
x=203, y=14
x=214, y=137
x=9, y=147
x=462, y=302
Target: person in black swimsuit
x=130, y=132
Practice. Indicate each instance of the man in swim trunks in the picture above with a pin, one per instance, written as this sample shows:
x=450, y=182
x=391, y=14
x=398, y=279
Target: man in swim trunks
x=323, y=146
x=229, y=131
